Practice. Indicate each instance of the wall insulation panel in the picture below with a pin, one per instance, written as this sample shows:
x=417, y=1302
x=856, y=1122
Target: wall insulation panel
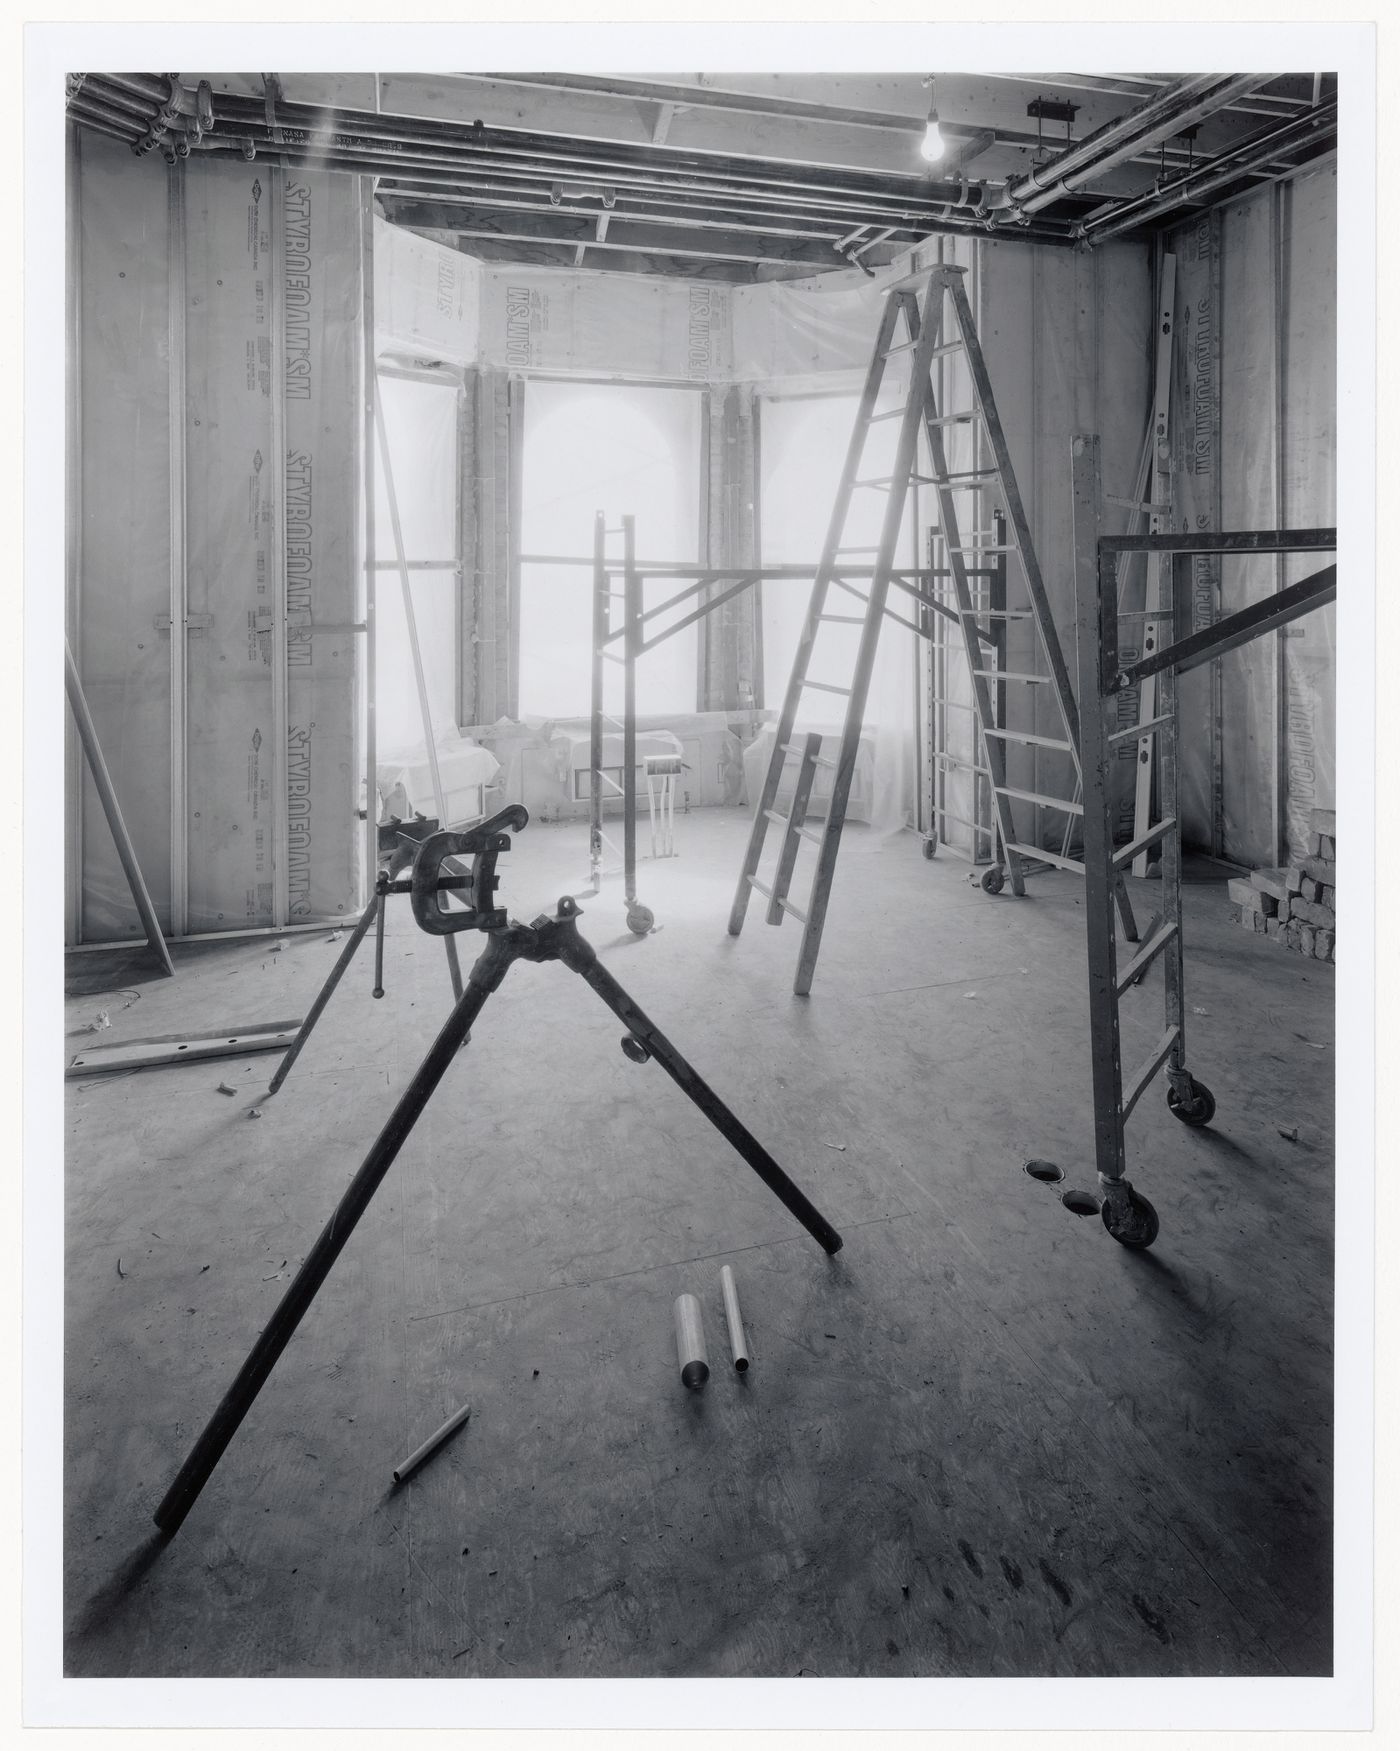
x=230, y=330
x=1255, y=425
x=1066, y=336
x=321, y=299
x=232, y=509
x=123, y=523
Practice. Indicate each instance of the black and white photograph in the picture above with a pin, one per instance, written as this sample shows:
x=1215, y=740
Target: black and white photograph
x=709, y=850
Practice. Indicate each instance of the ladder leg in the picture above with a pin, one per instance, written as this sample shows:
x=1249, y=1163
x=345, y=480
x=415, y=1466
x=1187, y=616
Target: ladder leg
x=792, y=838
x=379, y=944
x=874, y=376
x=323, y=996
x=602, y=618
x=486, y=975
x=579, y=955
x=1106, y=1062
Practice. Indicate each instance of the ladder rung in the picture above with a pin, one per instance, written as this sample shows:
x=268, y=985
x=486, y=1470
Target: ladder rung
x=829, y=687
x=1146, y=1071
x=962, y=820
x=1007, y=675
x=882, y=481
x=1055, y=857
x=956, y=419
x=1145, y=957
x=890, y=413
x=846, y=619
x=977, y=547
x=951, y=760
x=950, y=704
x=782, y=899
x=1124, y=856
x=817, y=759
x=1063, y=804
x=998, y=613
x=804, y=832
x=1031, y=741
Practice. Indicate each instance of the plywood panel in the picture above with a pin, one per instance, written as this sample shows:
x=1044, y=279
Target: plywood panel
x=123, y=494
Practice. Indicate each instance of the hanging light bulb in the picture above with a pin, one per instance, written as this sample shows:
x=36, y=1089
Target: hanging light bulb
x=933, y=145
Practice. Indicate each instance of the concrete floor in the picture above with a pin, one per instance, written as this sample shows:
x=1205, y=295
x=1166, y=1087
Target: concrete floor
x=982, y=1440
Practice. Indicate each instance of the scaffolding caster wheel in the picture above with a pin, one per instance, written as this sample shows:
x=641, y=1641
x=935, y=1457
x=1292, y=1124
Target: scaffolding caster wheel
x=1199, y=1109
x=640, y=919
x=993, y=880
x=1138, y=1229
x=930, y=849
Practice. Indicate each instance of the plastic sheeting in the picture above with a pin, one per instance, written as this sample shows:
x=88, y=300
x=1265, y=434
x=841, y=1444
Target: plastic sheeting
x=427, y=298
x=802, y=444
x=599, y=324
x=623, y=449
x=421, y=422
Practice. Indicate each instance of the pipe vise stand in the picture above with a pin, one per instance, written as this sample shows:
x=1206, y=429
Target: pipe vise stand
x=546, y=939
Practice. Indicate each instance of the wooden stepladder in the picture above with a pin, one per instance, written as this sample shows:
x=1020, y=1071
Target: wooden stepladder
x=926, y=305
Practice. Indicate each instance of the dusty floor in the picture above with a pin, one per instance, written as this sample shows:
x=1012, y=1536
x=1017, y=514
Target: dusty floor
x=983, y=1439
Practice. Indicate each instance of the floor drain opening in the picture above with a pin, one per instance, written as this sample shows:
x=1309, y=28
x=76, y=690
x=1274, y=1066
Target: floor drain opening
x=1082, y=1203
x=1045, y=1171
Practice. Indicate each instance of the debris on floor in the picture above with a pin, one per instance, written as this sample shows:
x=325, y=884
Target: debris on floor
x=224, y=1088
x=1288, y=1133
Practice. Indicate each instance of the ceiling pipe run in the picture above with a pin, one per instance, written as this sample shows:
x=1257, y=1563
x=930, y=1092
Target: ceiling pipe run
x=464, y=170
x=1114, y=218
x=1178, y=108
x=604, y=160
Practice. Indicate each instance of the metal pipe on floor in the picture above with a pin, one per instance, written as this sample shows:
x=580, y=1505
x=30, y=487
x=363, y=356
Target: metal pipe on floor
x=406, y=1467
x=738, y=1343
x=690, y=1342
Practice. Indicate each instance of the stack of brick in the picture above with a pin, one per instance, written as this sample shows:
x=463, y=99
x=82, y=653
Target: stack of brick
x=1295, y=907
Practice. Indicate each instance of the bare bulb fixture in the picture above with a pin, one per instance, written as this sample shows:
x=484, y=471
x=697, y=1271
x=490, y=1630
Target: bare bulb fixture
x=933, y=145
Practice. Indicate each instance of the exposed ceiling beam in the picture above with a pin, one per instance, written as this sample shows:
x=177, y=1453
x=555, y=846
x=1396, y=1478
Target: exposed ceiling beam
x=624, y=234
x=622, y=87
x=692, y=217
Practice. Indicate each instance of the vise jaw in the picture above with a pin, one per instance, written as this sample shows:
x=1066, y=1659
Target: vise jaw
x=483, y=844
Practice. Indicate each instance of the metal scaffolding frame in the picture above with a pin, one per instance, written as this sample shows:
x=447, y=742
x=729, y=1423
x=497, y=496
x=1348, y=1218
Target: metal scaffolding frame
x=729, y=582
x=1103, y=677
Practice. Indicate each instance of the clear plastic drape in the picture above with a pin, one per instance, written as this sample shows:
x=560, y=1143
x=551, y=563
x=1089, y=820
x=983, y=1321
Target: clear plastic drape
x=803, y=443
x=622, y=449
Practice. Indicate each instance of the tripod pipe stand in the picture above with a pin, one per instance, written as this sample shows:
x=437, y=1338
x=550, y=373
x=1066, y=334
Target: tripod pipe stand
x=546, y=939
